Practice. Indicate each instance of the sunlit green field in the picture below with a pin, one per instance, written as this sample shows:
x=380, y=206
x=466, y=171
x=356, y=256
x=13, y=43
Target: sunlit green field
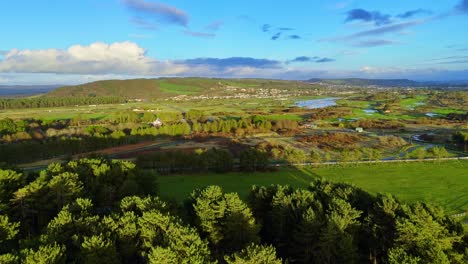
x=444, y=184
x=178, y=88
x=209, y=106
x=268, y=107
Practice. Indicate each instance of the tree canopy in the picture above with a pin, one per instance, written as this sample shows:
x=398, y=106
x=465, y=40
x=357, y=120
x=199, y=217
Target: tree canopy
x=107, y=211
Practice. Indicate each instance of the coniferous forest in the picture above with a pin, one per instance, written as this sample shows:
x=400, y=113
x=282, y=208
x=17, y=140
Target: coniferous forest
x=233, y=132
x=107, y=211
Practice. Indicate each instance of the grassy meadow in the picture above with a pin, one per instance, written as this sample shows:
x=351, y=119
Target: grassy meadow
x=444, y=183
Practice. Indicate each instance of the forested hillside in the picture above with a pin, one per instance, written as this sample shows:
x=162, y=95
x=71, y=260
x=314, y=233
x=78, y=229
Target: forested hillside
x=169, y=87
x=106, y=211
x=48, y=102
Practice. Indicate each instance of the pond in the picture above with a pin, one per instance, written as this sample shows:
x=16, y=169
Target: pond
x=431, y=114
x=370, y=111
x=317, y=103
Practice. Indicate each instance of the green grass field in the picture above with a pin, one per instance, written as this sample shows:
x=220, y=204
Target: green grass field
x=167, y=87
x=413, y=101
x=444, y=184
x=276, y=117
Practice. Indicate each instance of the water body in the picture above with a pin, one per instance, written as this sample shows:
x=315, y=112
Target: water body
x=370, y=111
x=431, y=114
x=317, y=103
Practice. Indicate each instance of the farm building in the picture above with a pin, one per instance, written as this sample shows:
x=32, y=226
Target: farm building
x=359, y=129
x=309, y=125
x=157, y=123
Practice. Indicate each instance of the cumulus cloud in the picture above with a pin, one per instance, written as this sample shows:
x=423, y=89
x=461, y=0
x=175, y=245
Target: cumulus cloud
x=376, y=17
x=122, y=58
x=158, y=11
x=97, y=58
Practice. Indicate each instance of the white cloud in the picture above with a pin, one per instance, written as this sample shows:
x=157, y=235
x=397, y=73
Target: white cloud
x=124, y=60
x=97, y=58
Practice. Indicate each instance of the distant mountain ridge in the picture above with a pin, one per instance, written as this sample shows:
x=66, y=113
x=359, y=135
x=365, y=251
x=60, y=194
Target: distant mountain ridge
x=163, y=88
x=387, y=82
x=24, y=90
x=136, y=88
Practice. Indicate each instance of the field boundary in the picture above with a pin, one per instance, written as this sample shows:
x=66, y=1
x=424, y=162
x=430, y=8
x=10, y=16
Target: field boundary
x=364, y=162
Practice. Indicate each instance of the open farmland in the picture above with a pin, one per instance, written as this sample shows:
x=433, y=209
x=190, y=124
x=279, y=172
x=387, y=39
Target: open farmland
x=444, y=184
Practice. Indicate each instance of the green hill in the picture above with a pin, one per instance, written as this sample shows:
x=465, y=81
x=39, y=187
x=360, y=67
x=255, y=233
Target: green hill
x=132, y=89
x=169, y=87
x=371, y=82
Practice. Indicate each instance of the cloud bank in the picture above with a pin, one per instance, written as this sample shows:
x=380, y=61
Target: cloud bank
x=97, y=58
x=123, y=60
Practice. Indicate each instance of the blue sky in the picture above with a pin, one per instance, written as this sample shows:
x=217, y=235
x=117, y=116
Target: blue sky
x=78, y=41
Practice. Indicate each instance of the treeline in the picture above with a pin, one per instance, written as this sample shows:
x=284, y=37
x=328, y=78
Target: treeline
x=40, y=102
x=132, y=123
x=29, y=151
x=102, y=211
x=217, y=160
x=461, y=139
x=25, y=141
x=238, y=127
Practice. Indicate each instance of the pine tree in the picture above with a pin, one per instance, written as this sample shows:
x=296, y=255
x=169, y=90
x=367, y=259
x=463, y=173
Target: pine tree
x=9, y=259
x=49, y=254
x=8, y=232
x=421, y=235
x=254, y=254
x=224, y=219
x=98, y=250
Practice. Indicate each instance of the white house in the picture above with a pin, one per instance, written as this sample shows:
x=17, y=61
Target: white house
x=157, y=123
